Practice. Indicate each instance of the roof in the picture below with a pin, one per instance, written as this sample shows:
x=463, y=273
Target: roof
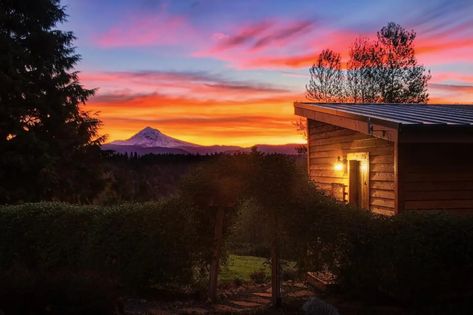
x=399, y=114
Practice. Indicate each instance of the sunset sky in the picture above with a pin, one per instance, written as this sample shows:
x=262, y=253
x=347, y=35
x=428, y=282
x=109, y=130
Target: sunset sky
x=227, y=72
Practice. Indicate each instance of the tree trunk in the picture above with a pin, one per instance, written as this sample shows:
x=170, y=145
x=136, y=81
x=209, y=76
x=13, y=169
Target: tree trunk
x=214, y=266
x=275, y=266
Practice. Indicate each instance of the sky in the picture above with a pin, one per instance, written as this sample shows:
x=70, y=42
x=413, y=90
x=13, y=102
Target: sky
x=228, y=72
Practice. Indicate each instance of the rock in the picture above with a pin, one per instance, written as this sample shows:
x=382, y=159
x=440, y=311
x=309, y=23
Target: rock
x=315, y=306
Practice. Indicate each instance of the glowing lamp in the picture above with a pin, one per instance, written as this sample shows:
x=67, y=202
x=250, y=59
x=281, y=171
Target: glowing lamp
x=338, y=166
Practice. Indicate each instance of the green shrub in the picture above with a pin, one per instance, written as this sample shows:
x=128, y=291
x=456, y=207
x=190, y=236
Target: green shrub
x=413, y=258
x=259, y=277
x=139, y=245
x=57, y=292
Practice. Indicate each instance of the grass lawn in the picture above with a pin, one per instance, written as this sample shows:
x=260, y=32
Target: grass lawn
x=242, y=267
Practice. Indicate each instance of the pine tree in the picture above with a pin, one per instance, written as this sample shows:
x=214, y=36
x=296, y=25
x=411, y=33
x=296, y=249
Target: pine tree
x=49, y=146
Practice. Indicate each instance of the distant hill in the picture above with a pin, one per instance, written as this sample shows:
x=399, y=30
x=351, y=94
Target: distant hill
x=153, y=141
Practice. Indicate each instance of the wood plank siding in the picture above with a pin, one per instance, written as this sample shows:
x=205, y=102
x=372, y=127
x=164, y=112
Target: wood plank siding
x=328, y=142
x=436, y=176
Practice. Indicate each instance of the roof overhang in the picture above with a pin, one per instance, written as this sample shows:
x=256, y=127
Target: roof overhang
x=374, y=127
x=385, y=128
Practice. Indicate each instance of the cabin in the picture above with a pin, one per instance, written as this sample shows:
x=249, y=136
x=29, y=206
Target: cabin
x=391, y=158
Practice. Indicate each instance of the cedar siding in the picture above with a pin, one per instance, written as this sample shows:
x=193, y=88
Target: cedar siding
x=436, y=176
x=393, y=157
x=328, y=142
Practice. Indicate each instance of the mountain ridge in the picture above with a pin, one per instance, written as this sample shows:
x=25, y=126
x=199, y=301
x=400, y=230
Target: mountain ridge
x=152, y=141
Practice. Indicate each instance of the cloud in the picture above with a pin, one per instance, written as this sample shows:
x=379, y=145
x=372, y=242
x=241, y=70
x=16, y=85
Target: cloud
x=283, y=34
x=146, y=29
x=196, y=106
x=245, y=35
x=451, y=93
x=276, y=45
x=126, y=85
x=261, y=35
x=210, y=121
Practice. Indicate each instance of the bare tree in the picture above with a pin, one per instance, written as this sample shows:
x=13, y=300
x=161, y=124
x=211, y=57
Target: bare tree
x=326, y=78
x=401, y=79
x=381, y=71
x=362, y=84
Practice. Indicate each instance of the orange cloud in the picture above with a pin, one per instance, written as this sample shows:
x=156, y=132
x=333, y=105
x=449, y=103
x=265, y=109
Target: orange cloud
x=205, y=122
x=196, y=107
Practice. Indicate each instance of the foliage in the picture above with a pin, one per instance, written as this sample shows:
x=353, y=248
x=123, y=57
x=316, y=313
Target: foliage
x=50, y=147
x=326, y=78
x=380, y=71
x=401, y=79
x=138, y=245
x=248, y=236
x=149, y=177
x=413, y=258
x=57, y=293
x=259, y=277
x=209, y=188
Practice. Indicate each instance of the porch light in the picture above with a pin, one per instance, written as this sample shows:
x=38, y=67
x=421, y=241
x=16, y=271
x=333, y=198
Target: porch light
x=339, y=166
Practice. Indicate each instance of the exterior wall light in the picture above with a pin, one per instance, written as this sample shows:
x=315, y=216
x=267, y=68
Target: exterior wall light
x=339, y=166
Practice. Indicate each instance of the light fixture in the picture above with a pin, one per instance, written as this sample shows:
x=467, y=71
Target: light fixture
x=338, y=166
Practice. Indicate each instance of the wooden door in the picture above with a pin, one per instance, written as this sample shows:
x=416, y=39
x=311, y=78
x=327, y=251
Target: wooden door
x=354, y=187
x=358, y=177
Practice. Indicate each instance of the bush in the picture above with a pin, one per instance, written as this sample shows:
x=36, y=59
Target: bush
x=59, y=292
x=139, y=245
x=412, y=258
x=259, y=277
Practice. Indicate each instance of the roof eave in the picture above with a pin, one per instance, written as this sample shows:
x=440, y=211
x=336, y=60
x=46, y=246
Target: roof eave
x=378, y=128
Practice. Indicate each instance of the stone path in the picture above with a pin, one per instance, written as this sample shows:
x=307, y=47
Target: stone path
x=248, y=301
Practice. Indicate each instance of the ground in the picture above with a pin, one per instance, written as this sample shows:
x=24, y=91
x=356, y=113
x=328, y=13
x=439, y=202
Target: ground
x=235, y=296
x=250, y=298
x=246, y=299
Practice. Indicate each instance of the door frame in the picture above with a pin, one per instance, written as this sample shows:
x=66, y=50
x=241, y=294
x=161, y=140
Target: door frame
x=364, y=159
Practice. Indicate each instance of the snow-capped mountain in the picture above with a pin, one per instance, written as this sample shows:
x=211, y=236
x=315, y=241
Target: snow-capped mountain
x=150, y=138
x=153, y=141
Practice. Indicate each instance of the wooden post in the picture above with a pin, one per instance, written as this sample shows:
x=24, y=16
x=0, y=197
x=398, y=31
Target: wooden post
x=214, y=266
x=275, y=266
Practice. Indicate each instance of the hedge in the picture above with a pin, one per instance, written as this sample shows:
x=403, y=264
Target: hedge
x=411, y=258
x=137, y=245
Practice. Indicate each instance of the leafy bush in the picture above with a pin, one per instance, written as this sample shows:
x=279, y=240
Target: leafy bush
x=58, y=292
x=259, y=277
x=413, y=258
x=139, y=245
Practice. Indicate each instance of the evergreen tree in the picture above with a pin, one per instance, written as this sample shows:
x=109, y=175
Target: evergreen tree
x=49, y=146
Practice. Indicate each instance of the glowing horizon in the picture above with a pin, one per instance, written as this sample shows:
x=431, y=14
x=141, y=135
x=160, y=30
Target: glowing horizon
x=218, y=72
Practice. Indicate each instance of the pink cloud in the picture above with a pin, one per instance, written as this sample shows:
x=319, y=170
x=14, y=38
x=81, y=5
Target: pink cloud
x=201, y=85
x=273, y=45
x=146, y=30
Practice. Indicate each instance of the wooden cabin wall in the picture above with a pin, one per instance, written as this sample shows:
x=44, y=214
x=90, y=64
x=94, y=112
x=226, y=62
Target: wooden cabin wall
x=327, y=142
x=436, y=176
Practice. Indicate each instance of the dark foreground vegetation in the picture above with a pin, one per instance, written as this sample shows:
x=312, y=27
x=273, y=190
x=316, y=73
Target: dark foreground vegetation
x=161, y=226
x=67, y=258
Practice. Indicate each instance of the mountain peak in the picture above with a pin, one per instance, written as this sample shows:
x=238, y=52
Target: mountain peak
x=150, y=137
x=149, y=132
x=148, y=129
